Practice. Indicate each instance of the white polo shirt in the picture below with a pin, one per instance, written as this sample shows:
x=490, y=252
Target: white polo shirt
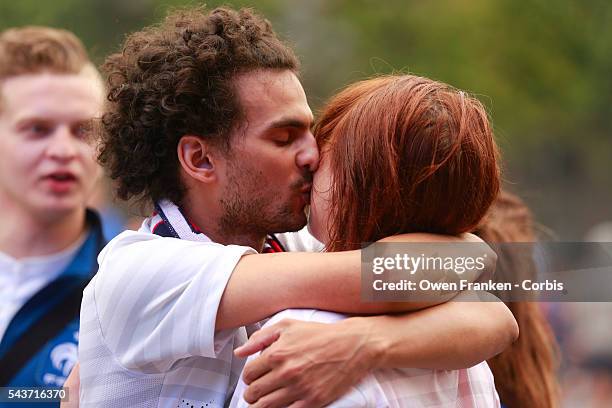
x=147, y=334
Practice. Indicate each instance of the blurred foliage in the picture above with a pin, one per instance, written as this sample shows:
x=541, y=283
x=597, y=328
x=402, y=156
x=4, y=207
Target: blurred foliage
x=543, y=68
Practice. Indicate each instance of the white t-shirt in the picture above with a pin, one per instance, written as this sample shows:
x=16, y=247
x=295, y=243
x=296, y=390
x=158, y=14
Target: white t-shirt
x=403, y=387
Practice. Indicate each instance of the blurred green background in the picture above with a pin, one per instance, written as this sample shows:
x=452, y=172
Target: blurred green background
x=543, y=68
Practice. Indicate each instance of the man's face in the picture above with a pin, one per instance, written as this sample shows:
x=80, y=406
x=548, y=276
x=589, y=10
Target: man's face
x=47, y=164
x=273, y=155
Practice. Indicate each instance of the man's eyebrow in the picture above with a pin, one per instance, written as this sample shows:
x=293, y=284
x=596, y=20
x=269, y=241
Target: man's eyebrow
x=28, y=120
x=290, y=122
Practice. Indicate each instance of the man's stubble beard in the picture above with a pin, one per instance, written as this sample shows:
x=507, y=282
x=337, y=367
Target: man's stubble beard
x=249, y=209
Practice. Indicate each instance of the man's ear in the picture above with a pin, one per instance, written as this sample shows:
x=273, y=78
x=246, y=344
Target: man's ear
x=197, y=158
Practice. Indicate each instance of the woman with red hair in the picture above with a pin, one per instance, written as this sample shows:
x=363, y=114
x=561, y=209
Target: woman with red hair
x=403, y=154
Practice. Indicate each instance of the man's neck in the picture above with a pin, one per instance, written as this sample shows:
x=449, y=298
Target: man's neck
x=23, y=235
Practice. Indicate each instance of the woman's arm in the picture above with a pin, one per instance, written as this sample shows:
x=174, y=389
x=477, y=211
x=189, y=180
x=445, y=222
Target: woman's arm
x=321, y=361
x=263, y=284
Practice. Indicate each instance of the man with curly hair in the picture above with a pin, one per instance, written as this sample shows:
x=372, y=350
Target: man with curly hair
x=207, y=121
x=49, y=240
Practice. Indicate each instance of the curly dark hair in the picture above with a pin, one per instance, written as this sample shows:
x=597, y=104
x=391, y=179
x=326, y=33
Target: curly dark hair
x=173, y=79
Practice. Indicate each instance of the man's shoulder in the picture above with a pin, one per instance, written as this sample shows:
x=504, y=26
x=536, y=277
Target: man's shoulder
x=145, y=240
x=145, y=252
x=132, y=239
x=129, y=237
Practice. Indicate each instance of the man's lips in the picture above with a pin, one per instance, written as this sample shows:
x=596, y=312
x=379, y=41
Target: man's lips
x=306, y=188
x=60, y=181
x=305, y=193
x=61, y=176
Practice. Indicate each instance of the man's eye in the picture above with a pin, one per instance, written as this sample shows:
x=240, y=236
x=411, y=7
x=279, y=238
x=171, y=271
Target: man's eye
x=82, y=131
x=38, y=129
x=282, y=142
x=283, y=139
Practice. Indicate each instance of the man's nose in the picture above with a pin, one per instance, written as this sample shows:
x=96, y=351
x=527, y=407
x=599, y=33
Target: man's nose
x=62, y=145
x=308, y=157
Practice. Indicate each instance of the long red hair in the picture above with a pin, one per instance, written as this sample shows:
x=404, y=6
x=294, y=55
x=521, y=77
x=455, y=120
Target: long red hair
x=407, y=154
x=525, y=373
